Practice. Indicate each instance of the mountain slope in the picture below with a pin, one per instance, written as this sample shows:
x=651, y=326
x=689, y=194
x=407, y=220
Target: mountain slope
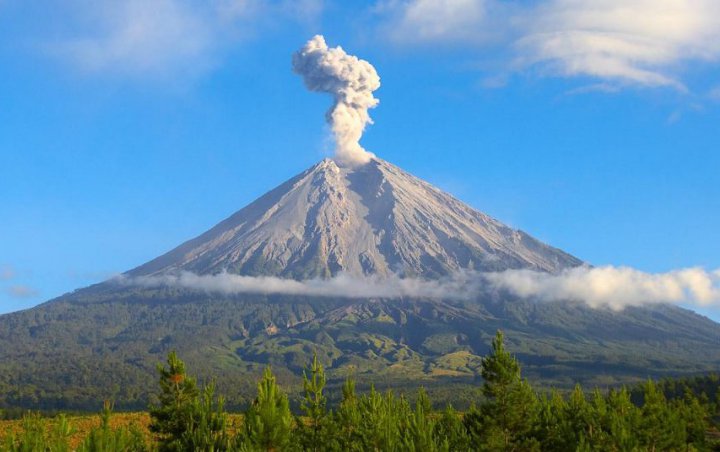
x=376, y=219
x=102, y=342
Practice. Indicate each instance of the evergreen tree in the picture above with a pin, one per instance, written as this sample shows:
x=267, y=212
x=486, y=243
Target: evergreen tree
x=505, y=419
x=315, y=432
x=174, y=414
x=660, y=427
x=268, y=421
x=105, y=439
x=420, y=434
x=450, y=429
x=695, y=415
x=551, y=427
x=621, y=421
x=208, y=430
x=380, y=416
x=348, y=418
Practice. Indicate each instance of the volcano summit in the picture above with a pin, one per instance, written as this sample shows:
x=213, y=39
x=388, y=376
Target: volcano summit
x=373, y=219
x=367, y=221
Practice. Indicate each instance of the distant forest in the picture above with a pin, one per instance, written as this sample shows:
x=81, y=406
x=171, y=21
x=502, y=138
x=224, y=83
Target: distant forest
x=508, y=415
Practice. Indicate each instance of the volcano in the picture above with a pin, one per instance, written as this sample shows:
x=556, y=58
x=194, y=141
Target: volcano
x=103, y=342
x=375, y=219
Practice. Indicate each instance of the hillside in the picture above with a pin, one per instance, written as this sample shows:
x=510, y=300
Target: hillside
x=374, y=221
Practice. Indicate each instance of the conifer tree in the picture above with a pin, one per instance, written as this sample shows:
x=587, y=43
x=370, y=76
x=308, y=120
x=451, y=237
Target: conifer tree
x=268, y=421
x=208, y=431
x=505, y=419
x=451, y=430
x=105, y=439
x=419, y=435
x=377, y=426
x=622, y=421
x=660, y=428
x=173, y=416
x=314, y=433
x=348, y=418
x=695, y=414
x=551, y=427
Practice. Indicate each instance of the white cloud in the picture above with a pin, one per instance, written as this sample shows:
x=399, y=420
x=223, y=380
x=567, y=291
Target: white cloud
x=461, y=285
x=614, y=287
x=436, y=20
x=639, y=42
x=19, y=291
x=163, y=37
x=610, y=287
x=138, y=37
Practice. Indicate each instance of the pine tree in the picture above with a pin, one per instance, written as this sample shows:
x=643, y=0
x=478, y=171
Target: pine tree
x=105, y=439
x=505, y=419
x=315, y=432
x=695, y=416
x=347, y=418
x=208, y=431
x=268, y=421
x=174, y=414
x=378, y=429
x=660, y=427
x=450, y=429
x=551, y=428
x=622, y=421
x=419, y=435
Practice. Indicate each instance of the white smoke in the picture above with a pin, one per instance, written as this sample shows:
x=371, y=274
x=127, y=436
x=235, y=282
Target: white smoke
x=599, y=287
x=351, y=81
x=613, y=287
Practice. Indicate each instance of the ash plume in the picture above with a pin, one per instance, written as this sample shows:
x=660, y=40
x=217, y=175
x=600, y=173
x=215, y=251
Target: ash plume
x=351, y=81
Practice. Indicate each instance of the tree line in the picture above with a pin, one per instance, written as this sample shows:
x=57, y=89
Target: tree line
x=510, y=416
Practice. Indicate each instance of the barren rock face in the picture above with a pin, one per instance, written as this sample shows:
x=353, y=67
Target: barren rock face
x=373, y=219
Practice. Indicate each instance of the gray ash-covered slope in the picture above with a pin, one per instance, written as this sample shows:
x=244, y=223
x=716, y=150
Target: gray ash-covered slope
x=375, y=219
x=104, y=341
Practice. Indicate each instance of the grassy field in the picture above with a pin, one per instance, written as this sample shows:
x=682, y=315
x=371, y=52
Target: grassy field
x=82, y=424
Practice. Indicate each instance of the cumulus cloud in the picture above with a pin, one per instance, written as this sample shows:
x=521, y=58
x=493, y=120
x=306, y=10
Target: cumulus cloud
x=637, y=42
x=613, y=287
x=598, y=287
x=162, y=37
x=351, y=81
x=19, y=291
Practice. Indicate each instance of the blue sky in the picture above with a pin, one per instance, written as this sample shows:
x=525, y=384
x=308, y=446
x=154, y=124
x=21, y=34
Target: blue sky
x=129, y=127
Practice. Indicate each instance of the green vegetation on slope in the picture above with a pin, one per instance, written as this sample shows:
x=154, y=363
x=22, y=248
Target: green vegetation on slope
x=103, y=342
x=510, y=416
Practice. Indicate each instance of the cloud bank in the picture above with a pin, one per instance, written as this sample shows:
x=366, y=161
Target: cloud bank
x=627, y=42
x=351, y=81
x=613, y=287
x=599, y=287
x=460, y=285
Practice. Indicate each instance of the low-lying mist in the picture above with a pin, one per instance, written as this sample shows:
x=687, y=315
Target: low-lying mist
x=608, y=286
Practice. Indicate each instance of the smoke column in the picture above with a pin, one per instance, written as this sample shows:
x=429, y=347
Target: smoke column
x=351, y=81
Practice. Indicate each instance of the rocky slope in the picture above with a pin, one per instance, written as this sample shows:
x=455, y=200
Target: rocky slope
x=375, y=219
x=103, y=342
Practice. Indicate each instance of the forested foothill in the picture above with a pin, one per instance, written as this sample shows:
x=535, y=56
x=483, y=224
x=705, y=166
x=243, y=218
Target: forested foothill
x=508, y=415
